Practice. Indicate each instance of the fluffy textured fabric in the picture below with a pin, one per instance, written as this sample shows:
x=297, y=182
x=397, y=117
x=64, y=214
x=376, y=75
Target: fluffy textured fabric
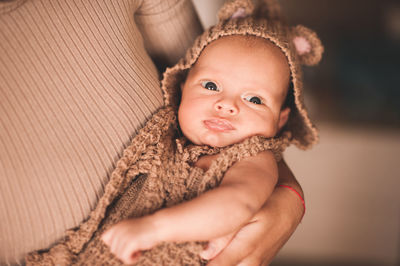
x=262, y=19
x=76, y=83
x=156, y=171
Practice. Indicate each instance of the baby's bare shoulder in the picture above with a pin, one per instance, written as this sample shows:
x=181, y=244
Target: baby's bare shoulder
x=205, y=161
x=261, y=161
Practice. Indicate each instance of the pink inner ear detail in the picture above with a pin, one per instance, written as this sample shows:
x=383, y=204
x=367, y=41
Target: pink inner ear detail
x=240, y=13
x=302, y=45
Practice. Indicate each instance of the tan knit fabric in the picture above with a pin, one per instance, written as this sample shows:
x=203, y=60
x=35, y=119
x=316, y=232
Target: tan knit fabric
x=299, y=44
x=156, y=171
x=75, y=85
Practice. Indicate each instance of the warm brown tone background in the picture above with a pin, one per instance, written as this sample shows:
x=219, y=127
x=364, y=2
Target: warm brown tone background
x=352, y=178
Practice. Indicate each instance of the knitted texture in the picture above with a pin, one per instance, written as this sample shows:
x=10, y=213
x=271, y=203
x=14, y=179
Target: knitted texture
x=241, y=17
x=76, y=83
x=155, y=171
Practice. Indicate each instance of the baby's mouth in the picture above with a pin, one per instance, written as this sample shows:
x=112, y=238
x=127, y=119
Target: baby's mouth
x=218, y=125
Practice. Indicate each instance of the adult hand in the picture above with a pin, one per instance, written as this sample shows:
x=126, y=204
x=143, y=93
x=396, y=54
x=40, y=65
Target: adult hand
x=259, y=241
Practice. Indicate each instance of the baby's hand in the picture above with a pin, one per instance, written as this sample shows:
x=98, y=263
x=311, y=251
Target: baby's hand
x=128, y=237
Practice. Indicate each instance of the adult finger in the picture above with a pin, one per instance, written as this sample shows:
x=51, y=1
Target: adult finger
x=251, y=261
x=215, y=246
x=238, y=248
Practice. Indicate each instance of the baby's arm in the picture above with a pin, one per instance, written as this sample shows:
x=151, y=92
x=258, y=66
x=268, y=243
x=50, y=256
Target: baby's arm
x=244, y=189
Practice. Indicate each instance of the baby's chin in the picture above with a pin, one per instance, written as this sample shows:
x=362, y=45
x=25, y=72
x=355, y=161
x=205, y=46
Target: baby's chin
x=217, y=141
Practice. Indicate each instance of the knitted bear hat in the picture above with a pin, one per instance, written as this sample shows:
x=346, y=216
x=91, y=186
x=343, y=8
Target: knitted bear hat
x=262, y=19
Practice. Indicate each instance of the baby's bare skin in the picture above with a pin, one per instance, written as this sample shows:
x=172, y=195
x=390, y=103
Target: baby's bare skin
x=223, y=210
x=205, y=161
x=234, y=91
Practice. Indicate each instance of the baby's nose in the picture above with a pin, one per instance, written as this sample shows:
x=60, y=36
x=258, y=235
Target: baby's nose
x=226, y=108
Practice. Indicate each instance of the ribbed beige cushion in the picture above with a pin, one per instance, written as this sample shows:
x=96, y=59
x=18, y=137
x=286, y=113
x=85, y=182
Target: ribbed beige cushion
x=75, y=85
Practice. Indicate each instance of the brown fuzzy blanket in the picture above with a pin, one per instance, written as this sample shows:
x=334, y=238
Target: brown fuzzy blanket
x=155, y=171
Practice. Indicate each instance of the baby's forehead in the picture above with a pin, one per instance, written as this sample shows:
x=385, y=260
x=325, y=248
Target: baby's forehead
x=239, y=50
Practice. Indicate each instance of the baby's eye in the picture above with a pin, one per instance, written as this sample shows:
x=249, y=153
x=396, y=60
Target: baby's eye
x=253, y=99
x=209, y=85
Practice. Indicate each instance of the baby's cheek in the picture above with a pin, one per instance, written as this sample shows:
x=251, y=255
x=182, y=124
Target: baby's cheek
x=267, y=126
x=270, y=131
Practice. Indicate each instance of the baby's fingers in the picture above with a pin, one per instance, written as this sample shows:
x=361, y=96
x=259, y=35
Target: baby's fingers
x=130, y=257
x=107, y=236
x=128, y=252
x=115, y=240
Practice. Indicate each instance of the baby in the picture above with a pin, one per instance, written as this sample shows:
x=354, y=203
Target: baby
x=205, y=162
x=235, y=90
x=243, y=80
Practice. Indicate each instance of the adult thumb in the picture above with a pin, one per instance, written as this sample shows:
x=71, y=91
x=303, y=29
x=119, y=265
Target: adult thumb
x=215, y=246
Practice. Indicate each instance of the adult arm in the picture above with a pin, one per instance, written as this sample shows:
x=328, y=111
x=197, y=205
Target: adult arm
x=168, y=27
x=259, y=241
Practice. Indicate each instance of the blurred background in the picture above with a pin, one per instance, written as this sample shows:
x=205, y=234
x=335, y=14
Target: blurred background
x=351, y=179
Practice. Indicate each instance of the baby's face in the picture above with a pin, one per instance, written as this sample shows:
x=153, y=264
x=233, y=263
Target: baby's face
x=234, y=91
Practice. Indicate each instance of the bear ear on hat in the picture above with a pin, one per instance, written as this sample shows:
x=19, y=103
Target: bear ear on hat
x=307, y=45
x=235, y=9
